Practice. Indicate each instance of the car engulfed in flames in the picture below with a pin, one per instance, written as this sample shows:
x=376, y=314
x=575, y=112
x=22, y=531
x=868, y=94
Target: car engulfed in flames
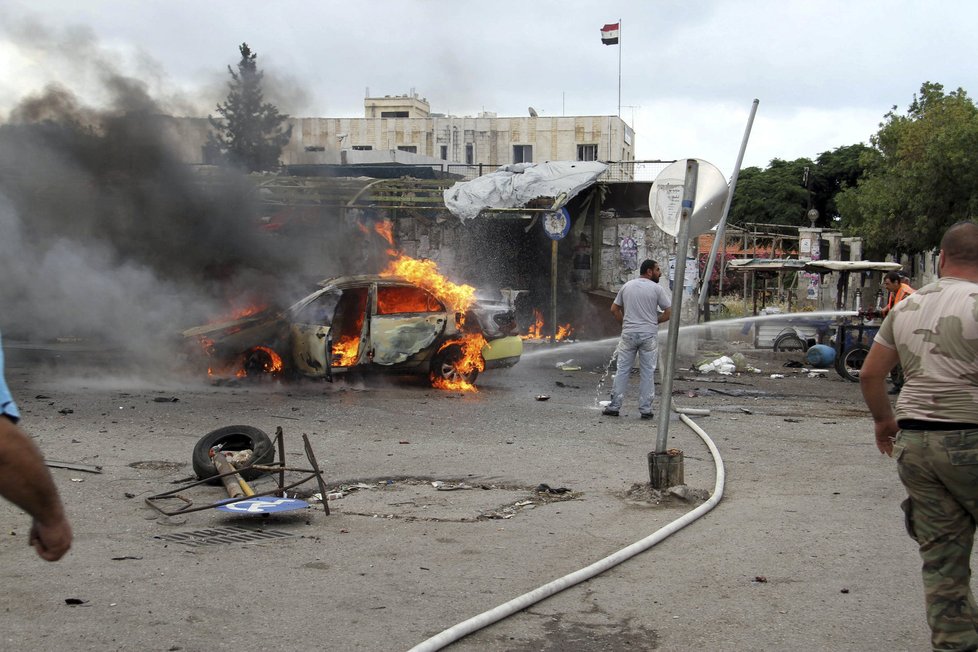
x=406, y=320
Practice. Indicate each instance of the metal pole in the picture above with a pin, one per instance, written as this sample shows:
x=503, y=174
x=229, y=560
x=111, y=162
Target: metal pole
x=619, y=68
x=672, y=338
x=721, y=227
x=553, y=291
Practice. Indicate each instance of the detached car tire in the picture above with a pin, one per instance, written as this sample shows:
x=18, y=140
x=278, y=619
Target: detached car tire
x=233, y=438
x=851, y=361
x=790, y=343
x=443, y=366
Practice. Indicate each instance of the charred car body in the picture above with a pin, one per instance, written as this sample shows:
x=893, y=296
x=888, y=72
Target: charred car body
x=355, y=322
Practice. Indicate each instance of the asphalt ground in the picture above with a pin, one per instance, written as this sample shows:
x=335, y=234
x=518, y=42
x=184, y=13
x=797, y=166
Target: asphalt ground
x=806, y=549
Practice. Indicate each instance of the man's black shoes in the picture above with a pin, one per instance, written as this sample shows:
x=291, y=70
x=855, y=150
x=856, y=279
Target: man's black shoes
x=608, y=412
x=648, y=415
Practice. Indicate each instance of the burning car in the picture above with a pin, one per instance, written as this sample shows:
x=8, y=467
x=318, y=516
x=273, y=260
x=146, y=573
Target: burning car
x=371, y=321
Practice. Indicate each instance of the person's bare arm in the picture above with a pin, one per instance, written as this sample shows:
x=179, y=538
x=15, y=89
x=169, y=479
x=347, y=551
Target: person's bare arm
x=872, y=381
x=25, y=481
x=617, y=312
x=665, y=315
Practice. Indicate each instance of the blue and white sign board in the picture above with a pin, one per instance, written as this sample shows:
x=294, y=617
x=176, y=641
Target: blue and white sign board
x=263, y=505
x=557, y=224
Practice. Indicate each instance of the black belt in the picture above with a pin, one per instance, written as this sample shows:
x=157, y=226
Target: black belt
x=920, y=424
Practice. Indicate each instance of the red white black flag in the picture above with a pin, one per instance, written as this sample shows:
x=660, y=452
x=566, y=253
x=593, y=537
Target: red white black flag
x=609, y=34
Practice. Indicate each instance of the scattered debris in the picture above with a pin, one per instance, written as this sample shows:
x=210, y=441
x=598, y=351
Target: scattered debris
x=165, y=399
x=78, y=480
x=777, y=375
x=561, y=365
x=125, y=558
x=68, y=411
x=792, y=364
x=844, y=591
x=760, y=579
x=547, y=489
x=443, y=486
x=746, y=411
x=789, y=420
x=75, y=601
x=560, y=384
x=543, y=397
x=73, y=467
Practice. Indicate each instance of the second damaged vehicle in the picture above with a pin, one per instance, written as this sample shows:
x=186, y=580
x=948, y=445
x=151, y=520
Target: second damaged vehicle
x=368, y=321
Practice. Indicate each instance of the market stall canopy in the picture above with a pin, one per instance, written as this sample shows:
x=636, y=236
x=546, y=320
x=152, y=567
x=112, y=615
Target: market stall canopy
x=811, y=266
x=516, y=185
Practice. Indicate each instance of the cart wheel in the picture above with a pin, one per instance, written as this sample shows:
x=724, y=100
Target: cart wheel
x=233, y=438
x=790, y=342
x=850, y=363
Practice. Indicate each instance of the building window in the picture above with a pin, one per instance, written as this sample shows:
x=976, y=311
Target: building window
x=587, y=152
x=444, y=152
x=315, y=148
x=393, y=114
x=470, y=154
x=408, y=148
x=522, y=153
x=362, y=148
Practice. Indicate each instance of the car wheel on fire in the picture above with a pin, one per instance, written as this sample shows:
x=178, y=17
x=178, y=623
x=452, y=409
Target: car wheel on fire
x=232, y=438
x=447, y=367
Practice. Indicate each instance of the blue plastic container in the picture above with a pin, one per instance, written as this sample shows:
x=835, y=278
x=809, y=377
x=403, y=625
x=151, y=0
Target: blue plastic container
x=820, y=355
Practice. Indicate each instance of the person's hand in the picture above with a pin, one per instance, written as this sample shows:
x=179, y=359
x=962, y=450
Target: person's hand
x=885, y=434
x=51, y=540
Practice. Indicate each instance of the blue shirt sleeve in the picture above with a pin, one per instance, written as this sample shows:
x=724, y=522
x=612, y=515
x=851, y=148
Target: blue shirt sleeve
x=7, y=406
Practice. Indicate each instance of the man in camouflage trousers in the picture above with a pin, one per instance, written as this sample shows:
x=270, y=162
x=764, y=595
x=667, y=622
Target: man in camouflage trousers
x=934, y=432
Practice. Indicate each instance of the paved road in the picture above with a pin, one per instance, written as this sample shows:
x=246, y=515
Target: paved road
x=805, y=551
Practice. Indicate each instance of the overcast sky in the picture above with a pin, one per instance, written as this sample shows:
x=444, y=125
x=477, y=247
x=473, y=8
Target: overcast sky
x=825, y=72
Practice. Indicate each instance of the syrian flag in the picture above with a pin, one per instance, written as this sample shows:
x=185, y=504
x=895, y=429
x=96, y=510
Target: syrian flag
x=609, y=34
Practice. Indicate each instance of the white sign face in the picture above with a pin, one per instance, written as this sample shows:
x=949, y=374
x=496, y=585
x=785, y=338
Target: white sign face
x=665, y=198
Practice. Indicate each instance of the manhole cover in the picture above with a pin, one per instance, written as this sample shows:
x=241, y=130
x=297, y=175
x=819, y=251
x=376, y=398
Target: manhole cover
x=218, y=535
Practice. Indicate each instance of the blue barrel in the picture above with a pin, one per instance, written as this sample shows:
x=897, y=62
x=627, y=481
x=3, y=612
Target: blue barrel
x=820, y=355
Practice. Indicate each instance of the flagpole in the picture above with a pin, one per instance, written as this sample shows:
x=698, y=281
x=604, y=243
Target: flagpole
x=619, y=67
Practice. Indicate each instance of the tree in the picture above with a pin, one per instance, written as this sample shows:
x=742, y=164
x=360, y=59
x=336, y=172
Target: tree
x=250, y=132
x=922, y=175
x=775, y=195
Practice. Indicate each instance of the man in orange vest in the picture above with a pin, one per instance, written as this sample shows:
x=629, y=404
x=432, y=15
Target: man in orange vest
x=899, y=289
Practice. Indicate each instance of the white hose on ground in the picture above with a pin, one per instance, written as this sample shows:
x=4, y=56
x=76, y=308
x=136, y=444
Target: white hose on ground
x=506, y=609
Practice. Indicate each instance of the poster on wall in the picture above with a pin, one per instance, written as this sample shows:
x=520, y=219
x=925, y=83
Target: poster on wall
x=691, y=276
x=628, y=249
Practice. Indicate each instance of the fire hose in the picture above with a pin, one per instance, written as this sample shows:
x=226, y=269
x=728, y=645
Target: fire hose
x=507, y=609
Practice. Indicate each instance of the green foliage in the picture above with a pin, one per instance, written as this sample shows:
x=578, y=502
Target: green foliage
x=775, y=195
x=922, y=174
x=783, y=192
x=250, y=132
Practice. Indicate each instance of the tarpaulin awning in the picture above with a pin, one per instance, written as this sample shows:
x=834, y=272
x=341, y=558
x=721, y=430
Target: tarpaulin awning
x=514, y=186
x=813, y=266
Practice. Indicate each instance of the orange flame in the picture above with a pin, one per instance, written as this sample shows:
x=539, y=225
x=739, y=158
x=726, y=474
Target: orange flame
x=386, y=231
x=536, y=332
x=471, y=360
x=563, y=332
x=424, y=273
x=260, y=359
x=345, y=351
